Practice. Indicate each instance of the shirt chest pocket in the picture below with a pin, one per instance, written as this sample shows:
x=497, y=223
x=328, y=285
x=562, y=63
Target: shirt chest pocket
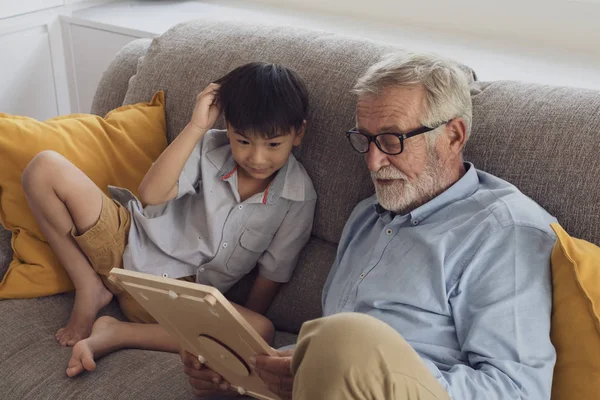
x=248, y=250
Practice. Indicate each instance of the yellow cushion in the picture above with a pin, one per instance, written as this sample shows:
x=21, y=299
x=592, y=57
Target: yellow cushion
x=117, y=150
x=576, y=318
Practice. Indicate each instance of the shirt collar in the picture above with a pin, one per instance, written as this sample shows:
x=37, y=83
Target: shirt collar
x=461, y=189
x=289, y=182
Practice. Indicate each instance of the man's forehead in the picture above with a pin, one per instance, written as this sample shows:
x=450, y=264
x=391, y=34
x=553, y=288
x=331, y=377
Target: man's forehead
x=386, y=118
x=396, y=108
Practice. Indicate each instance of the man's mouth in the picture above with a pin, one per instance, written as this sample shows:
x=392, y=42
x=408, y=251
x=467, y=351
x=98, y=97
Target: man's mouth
x=385, y=181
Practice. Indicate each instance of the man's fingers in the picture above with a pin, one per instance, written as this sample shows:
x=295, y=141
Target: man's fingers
x=275, y=365
x=201, y=384
x=189, y=360
x=204, y=374
x=276, y=383
x=285, y=395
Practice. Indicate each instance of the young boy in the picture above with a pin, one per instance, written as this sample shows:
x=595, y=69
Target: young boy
x=219, y=203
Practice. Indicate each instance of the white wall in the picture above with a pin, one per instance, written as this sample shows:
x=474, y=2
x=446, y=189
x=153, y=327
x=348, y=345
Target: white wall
x=33, y=68
x=88, y=53
x=47, y=71
x=28, y=86
x=9, y=8
x=571, y=25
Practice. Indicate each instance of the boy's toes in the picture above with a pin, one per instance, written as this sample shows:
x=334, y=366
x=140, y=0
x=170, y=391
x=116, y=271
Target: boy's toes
x=75, y=366
x=88, y=362
x=74, y=370
x=69, y=336
x=81, y=360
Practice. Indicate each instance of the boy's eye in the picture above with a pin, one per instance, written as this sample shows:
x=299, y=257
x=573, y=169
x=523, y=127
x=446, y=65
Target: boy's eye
x=274, y=144
x=244, y=142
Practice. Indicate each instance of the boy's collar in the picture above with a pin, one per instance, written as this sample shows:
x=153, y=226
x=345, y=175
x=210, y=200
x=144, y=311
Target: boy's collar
x=288, y=182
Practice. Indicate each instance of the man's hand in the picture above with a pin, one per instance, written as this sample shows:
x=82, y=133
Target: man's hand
x=206, y=110
x=204, y=381
x=276, y=372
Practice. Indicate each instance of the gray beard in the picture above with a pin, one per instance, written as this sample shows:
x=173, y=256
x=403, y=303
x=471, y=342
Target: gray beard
x=402, y=196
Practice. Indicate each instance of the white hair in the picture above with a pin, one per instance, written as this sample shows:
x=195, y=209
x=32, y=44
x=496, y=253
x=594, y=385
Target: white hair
x=445, y=83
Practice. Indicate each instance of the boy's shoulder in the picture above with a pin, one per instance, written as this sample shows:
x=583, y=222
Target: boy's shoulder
x=215, y=148
x=298, y=186
x=214, y=139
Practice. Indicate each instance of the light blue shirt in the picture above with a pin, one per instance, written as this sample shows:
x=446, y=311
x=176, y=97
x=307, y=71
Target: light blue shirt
x=465, y=279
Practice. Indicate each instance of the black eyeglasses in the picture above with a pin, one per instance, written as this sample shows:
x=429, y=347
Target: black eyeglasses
x=389, y=143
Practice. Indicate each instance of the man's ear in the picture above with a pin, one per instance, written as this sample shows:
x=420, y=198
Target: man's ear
x=299, y=135
x=457, y=134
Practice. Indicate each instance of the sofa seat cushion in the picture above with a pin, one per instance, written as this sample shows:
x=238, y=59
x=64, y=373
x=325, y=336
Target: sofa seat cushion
x=33, y=364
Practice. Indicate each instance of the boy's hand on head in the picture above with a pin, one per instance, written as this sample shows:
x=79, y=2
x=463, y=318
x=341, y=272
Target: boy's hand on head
x=206, y=110
x=204, y=381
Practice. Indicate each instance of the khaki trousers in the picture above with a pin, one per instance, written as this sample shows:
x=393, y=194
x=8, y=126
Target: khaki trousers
x=352, y=356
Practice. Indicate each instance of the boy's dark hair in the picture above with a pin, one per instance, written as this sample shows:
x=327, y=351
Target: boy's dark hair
x=264, y=99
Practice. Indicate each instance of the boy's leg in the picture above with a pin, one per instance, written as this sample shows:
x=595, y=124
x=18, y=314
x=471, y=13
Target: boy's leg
x=259, y=322
x=62, y=197
x=109, y=335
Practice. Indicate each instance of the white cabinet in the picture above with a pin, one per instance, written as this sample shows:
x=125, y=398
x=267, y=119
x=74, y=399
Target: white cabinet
x=9, y=8
x=27, y=85
x=88, y=53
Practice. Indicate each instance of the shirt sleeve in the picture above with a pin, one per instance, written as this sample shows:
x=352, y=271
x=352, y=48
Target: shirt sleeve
x=191, y=174
x=502, y=307
x=277, y=263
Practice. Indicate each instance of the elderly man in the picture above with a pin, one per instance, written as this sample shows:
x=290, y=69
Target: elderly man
x=441, y=286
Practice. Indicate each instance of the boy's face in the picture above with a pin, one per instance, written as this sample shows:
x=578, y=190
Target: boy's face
x=259, y=157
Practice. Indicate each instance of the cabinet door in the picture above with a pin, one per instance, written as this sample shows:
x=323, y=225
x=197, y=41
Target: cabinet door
x=90, y=52
x=27, y=84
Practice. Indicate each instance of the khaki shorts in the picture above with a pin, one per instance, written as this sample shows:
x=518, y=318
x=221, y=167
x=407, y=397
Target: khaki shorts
x=104, y=245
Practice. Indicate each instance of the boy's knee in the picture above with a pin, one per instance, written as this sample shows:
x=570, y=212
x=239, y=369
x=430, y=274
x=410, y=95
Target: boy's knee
x=265, y=329
x=39, y=169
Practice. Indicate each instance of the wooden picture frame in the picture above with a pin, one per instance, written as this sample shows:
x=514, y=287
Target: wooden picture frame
x=205, y=324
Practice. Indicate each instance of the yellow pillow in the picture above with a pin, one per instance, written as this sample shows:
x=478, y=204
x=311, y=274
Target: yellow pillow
x=117, y=150
x=576, y=318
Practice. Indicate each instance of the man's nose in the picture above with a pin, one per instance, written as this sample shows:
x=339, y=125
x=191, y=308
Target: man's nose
x=375, y=158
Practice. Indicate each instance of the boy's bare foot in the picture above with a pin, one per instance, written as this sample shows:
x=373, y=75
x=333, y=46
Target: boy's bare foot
x=87, y=305
x=104, y=337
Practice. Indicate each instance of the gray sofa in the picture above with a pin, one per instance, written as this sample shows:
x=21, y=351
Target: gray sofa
x=545, y=140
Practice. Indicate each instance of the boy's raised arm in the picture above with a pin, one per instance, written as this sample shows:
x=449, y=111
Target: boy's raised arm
x=160, y=182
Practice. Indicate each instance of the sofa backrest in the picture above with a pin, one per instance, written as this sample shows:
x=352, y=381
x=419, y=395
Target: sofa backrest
x=545, y=140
